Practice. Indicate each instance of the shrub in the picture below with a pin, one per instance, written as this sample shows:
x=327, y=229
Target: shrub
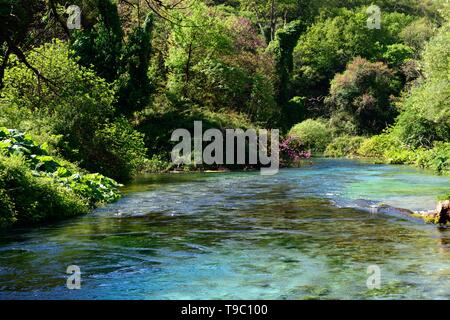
x=293, y=150
x=345, y=146
x=330, y=43
x=118, y=150
x=157, y=163
x=417, y=33
x=32, y=199
x=73, y=103
x=159, y=125
x=396, y=54
x=437, y=158
x=376, y=146
x=363, y=92
x=35, y=186
x=399, y=156
x=314, y=134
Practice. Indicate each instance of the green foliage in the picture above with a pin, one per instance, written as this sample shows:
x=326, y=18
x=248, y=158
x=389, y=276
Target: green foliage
x=397, y=54
x=315, y=134
x=425, y=116
x=342, y=123
x=101, y=46
x=282, y=48
x=159, y=125
x=331, y=42
x=32, y=199
x=376, y=146
x=437, y=158
x=73, y=103
x=134, y=83
x=219, y=62
x=118, y=150
x=417, y=33
x=363, y=92
x=93, y=188
x=74, y=106
x=294, y=111
x=344, y=146
x=158, y=163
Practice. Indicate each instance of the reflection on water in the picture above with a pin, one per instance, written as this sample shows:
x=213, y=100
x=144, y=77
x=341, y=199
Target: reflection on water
x=296, y=235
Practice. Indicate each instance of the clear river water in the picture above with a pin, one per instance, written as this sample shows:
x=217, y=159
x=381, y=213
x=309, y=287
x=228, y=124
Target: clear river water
x=306, y=233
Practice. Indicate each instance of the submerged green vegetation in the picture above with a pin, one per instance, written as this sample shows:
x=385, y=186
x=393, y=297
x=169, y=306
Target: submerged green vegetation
x=105, y=97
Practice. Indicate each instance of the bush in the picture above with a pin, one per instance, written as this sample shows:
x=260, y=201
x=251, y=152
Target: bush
x=314, y=134
x=363, y=92
x=417, y=131
x=437, y=158
x=118, y=150
x=159, y=125
x=73, y=103
x=345, y=146
x=292, y=150
x=330, y=43
x=32, y=199
x=35, y=186
x=400, y=156
x=376, y=146
x=425, y=116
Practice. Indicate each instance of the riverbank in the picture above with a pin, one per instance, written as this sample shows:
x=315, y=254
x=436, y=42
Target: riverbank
x=38, y=187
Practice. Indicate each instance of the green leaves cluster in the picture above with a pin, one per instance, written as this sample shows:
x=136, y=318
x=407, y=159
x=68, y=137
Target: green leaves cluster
x=73, y=103
x=102, y=46
x=94, y=188
x=363, y=93
x=216, y=59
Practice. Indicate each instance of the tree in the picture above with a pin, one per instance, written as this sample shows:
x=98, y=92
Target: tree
x=217, y=60
x=332, y=42
x=282, y=48
x=16, y=19
x=134, y=85
x=425, y=115
x=363, y=92
x=102, y=46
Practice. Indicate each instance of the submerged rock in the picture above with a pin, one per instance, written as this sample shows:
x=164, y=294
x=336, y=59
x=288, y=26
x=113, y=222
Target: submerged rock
x=441, y=215
x=443, y=211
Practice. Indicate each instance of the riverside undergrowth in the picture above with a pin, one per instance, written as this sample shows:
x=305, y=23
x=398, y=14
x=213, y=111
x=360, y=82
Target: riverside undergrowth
x=36, y=186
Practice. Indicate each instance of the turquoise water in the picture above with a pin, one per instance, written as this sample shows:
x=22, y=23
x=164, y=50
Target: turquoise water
x=305, y=233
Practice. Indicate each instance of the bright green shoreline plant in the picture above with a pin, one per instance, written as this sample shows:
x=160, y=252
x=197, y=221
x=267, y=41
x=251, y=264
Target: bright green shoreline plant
x=36, y=186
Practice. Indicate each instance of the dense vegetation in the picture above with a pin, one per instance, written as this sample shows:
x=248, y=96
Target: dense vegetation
x=106, y=97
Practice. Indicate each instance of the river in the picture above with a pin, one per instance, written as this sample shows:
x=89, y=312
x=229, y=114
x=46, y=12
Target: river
x=306, y=233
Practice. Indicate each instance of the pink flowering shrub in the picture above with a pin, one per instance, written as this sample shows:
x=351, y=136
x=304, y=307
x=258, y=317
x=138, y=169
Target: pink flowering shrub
x=292, y=150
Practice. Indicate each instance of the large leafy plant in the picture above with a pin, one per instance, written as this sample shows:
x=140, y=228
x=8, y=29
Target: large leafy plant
x=96, y=188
